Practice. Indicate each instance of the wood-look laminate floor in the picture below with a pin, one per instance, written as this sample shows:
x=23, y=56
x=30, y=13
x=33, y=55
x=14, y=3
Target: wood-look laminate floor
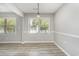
x=30, y=49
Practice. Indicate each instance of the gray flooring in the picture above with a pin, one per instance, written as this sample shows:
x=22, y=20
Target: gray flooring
x=30, y=49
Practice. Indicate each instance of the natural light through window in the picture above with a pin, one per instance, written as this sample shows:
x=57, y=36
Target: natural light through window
x=7, y=25
x=39, y=25
x=1, y=25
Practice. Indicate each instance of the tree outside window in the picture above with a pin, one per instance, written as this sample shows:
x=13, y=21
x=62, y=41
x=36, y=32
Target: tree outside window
x=1, y=25
x=11, y=25
x=40, y=25
x=7, y=25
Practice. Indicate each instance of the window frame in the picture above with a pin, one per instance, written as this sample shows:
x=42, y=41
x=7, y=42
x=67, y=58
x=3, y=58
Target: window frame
x=44, y=17
x=6, y=18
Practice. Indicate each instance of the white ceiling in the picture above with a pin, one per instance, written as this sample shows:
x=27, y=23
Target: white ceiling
x=20, y=8
x=3, y=8
x=43, y=7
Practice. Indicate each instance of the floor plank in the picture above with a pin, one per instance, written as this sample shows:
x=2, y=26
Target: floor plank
x=30, y=49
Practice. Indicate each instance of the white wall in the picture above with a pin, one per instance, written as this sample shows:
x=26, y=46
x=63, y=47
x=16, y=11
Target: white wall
x=37, y=37
x=67, y=28
x=12, y=37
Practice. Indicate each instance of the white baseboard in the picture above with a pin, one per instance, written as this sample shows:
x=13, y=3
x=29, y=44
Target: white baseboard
x=62, y=49
x=37, y=42
x=28, y=42
x=11, y=42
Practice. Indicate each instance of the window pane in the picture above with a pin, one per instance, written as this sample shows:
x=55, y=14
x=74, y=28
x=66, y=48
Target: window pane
x=39, y=25
x=1, y=25
x=33, y=26
x=43, y=25
x=11, y=23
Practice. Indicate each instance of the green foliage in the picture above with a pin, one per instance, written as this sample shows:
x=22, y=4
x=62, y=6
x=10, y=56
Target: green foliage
x=11, y=25
x=1, y=23
x=34, y=23
x=44, y=25
x=11, y=22
x=41, y=23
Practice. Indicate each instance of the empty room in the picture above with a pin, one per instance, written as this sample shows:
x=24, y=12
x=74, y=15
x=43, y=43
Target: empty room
x=39, y=29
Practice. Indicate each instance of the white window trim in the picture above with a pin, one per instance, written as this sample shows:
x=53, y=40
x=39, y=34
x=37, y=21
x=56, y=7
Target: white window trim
x=30, y=17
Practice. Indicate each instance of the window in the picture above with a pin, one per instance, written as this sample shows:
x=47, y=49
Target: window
x=39, y=25
x=10, y=25
x=1, y=25
x=7, y=25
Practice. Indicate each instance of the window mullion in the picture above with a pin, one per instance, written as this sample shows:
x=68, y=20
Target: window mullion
x=5, y=25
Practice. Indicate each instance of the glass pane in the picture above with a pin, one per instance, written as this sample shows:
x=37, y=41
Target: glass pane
x=33, y=26
x=39, y=25
x=43, y=25
x=11, y=23
x=1, y=25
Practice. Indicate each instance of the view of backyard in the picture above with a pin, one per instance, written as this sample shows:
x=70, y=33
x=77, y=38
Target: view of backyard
x=7, y=25
x=39, y=25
